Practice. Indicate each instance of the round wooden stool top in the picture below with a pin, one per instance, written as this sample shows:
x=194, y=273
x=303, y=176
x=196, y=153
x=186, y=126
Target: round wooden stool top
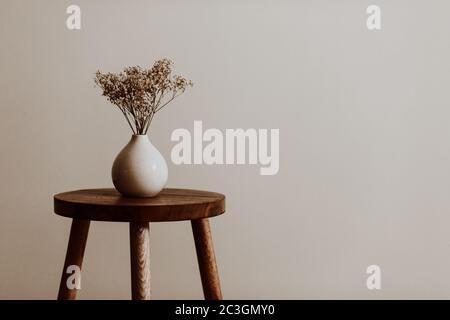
x=110, y=205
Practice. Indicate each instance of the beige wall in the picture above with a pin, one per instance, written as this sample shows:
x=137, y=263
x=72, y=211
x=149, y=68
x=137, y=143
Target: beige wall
x=364, y=143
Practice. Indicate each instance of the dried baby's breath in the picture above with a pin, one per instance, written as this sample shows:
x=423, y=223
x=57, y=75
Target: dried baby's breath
x=140, y=93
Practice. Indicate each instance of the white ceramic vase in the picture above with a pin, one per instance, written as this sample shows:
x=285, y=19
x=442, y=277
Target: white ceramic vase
x=139, y=170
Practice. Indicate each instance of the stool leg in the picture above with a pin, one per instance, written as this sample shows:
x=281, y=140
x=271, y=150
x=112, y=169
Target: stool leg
x=206, y=259
x=74, y=256
x=140, y=260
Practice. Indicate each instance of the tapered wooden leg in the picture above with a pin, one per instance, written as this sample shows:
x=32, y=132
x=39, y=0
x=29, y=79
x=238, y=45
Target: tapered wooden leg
x=74, y=257
x=140, y=260
x=206, y=259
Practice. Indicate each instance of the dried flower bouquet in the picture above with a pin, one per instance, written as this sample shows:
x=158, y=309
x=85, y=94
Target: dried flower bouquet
x=140, y=93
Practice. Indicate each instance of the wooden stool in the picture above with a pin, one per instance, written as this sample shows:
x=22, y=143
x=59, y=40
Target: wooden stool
x=84, y=206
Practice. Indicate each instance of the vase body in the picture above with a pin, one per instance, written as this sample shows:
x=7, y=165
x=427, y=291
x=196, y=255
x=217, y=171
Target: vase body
x=139, y=170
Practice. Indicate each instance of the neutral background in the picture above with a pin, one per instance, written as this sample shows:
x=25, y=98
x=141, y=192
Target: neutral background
x=364, y=144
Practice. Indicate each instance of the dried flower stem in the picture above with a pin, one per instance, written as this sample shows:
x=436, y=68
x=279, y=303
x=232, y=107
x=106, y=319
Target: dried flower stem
x=140, y=93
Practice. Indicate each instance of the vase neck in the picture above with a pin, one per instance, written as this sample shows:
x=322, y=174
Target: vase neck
x=139, y=138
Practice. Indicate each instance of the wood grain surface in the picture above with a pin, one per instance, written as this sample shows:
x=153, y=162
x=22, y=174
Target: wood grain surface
x=109, y=205
x=206, y=259
x=140, y=260
x=74, y=256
